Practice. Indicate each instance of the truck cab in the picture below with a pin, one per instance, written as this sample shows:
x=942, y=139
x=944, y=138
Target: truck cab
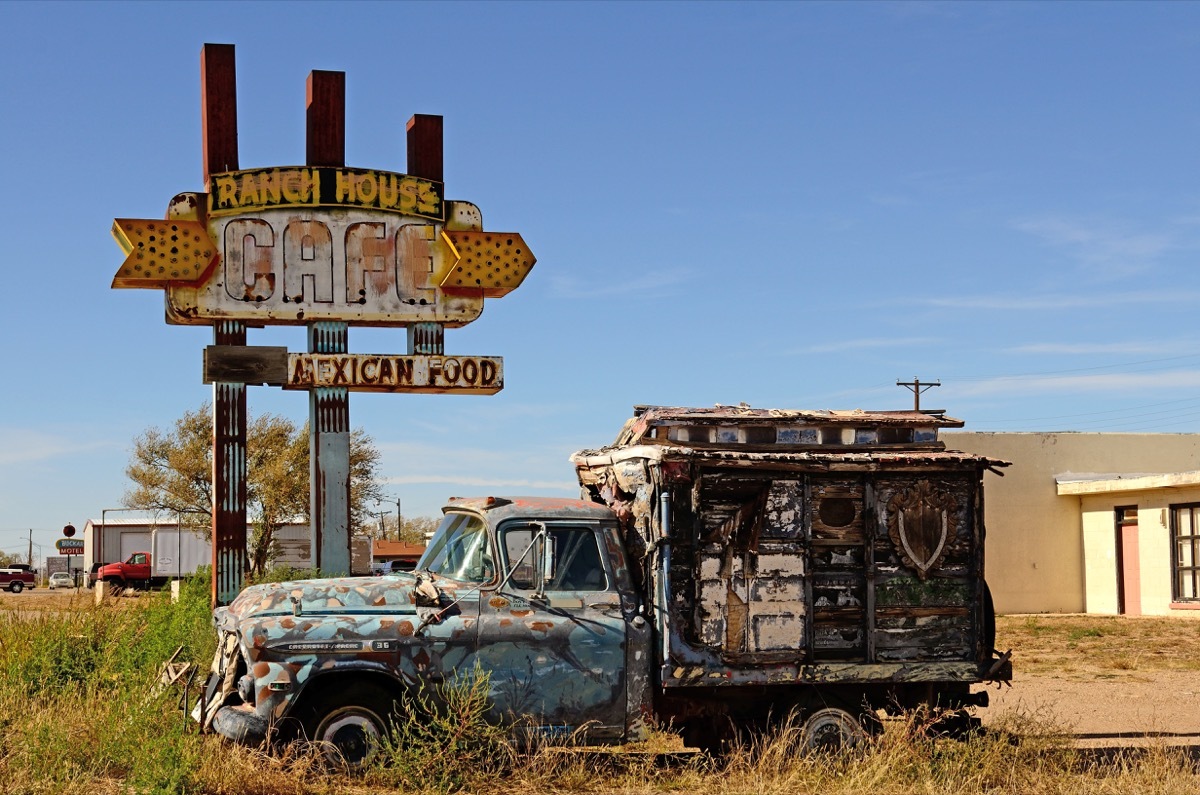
x=134, y=572
x=535, y=592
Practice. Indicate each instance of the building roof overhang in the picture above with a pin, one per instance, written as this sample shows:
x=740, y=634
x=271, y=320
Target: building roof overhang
x=1072, y=484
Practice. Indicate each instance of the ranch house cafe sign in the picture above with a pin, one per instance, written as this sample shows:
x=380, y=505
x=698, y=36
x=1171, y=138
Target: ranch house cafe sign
x=299, y=245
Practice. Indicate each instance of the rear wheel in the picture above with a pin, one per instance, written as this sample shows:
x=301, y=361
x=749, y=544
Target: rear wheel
x=831, y=729
x=16, y=586
x=349, y=725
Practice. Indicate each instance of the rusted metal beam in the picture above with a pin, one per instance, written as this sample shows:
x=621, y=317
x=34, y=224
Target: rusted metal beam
x=228, y=476
x=218, y=109
x=329, y=407
x=218, y=119
x=425, y=146
x=325, y=142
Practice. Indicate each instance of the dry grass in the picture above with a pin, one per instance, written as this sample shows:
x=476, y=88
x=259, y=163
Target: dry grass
x=107, y=736
x=1081, y=646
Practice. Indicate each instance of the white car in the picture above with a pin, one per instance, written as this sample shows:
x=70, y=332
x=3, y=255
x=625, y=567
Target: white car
x=60, y=579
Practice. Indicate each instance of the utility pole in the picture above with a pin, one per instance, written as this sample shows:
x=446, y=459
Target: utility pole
x=917, y=387
x=30, y=555
x=399, y=520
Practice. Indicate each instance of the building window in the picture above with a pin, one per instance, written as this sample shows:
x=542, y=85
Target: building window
x=1185, y=541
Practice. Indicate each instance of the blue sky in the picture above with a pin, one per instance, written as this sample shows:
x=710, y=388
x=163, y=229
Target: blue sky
x=792, y=205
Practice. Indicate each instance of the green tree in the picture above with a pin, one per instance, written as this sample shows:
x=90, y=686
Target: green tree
x=171, y=472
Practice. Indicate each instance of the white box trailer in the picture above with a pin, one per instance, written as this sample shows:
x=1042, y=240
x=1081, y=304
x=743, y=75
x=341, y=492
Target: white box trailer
x=177, y=553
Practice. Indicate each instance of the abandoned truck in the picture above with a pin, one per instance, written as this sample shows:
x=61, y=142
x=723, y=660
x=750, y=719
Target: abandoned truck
x=724, y=568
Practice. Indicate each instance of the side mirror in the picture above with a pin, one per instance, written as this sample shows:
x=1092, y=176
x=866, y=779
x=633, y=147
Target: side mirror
x=547, y=558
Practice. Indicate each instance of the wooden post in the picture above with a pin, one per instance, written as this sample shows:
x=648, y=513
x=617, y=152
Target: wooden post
x=424, y=142
x=218, y=118
x=329, y=408
x=425, y=146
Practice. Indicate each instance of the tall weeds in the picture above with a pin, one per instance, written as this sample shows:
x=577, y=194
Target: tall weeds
x=81, y=712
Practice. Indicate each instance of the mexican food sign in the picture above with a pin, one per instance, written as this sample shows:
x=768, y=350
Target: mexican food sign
x=298, y=245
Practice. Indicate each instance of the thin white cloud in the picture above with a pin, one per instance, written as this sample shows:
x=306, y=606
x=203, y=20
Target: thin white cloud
x=567, y=287
x=1062, y=300
x=1102, y=248
x=1085, y=348
x=1093, y=384
x=23, y=446
x=866, y=344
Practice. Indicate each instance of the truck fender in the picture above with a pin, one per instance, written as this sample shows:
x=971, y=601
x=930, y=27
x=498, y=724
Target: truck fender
x=317, y=688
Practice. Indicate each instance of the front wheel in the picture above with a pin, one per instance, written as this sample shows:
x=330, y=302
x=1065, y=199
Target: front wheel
x=16, y=587
x=349, y=726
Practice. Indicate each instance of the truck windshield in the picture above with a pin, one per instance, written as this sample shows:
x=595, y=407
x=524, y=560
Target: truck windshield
x=460, y=549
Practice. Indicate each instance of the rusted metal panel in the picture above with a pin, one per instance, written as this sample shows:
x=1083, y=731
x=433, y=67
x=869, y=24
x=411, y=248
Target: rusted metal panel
x=329, y=459
x=229, y=476
x=260, y=364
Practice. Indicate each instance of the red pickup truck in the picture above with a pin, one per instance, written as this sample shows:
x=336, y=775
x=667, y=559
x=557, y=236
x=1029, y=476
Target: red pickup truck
x=16, y=580
x=133, y=573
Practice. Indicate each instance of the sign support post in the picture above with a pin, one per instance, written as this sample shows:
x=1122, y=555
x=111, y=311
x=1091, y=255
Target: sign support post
x=218, y=112
x=328, y=407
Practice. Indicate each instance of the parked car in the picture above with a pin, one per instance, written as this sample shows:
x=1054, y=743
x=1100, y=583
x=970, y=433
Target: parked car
x=17, y=579
x=60, y=579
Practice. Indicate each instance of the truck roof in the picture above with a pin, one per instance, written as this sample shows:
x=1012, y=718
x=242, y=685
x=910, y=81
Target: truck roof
x=802, y=437
x=500, y=508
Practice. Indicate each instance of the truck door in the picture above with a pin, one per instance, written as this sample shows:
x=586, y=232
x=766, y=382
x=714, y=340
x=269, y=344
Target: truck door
x=556, y=654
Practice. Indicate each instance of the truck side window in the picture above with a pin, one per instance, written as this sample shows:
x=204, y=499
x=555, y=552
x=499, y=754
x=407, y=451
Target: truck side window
x=577, y=564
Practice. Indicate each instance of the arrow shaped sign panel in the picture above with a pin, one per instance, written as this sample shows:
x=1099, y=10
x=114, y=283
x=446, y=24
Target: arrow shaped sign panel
x=491, y=264
x=160, y=252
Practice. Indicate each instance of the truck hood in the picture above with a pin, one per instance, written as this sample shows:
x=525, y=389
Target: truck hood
x=388, y=594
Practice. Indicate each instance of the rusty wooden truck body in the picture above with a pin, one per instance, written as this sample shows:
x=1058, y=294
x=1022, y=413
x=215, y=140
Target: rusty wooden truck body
x=802, y=560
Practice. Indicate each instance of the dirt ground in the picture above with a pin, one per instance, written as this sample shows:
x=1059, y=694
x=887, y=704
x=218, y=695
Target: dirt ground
x=1110, y=681
x=1161, y=707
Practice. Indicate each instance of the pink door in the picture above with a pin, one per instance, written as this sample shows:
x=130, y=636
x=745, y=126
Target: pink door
x=1129, y=579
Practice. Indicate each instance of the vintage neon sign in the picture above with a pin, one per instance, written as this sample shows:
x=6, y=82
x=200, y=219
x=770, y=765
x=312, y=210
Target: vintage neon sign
x=293, y=246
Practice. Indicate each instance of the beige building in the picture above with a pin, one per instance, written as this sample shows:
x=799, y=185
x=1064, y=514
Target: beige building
x=1091, y=522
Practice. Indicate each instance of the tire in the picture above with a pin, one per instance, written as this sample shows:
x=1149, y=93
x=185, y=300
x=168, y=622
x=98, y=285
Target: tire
x=831, y=729
x=115, y=587
x=16, y=587
x=349, y=725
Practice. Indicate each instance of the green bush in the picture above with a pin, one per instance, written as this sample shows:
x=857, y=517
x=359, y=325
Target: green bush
x=80, y=694
x=442, y=739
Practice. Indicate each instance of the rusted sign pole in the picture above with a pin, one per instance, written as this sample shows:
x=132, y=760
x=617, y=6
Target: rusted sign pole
x=424, y=143
x=218, y=119
x=328, y=407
